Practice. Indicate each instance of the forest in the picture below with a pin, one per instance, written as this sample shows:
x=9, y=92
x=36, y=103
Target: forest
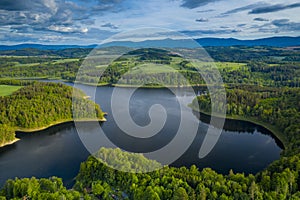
x=96, y=180
x=277, y=108
x=262, y=86
x=265, y=66
x=39, y=105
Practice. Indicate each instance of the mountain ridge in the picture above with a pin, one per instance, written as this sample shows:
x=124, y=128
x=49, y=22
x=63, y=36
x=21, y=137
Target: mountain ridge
x=278, y=41
x=43, y=46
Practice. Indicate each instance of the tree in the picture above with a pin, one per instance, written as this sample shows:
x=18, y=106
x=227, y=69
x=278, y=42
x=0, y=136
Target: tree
x=97, y=188
x=150, y=194
x=180, y=194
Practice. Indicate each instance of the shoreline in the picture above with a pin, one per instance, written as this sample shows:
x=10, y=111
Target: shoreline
x=117, y=85
x=9, y=143
x=30, y=130
x=155, y=87
x=133, y=86
x=33, y=130
x=273, y=129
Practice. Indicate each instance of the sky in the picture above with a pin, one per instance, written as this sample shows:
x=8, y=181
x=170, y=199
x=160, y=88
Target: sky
x=93, y=21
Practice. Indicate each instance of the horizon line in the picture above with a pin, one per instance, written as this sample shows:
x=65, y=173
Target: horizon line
x=93, y=44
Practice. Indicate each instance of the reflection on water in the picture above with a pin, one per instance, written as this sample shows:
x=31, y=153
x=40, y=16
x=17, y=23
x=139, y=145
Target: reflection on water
x=241, y=127
x=58, y=151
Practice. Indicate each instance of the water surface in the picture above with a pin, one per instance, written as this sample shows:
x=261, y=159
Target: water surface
x=58, y=151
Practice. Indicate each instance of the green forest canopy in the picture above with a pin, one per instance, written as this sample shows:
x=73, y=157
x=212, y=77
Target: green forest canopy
x=39, y=105
x=275, y=107
x=98, y=181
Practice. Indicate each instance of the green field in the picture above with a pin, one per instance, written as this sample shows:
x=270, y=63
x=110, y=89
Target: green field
x=58, y=61
x=65, y=60
x=151, y=68
x=8, y=89
x=101, y=66
x=229, y=66
x=27, y=64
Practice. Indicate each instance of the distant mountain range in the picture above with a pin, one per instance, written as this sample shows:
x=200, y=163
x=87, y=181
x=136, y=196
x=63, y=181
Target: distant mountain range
x=272, y=41
x=42, y=47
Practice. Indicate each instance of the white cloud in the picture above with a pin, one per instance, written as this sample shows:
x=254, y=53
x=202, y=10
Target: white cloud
x=80, y=19
x=66, y=29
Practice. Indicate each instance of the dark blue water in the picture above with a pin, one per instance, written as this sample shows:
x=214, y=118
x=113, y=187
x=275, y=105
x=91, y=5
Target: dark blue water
x=58, y=151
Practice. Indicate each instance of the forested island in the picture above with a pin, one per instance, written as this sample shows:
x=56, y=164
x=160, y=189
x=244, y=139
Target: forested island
x=39, y=105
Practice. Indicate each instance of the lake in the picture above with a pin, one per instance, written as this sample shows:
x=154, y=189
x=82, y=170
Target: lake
x=58, y=151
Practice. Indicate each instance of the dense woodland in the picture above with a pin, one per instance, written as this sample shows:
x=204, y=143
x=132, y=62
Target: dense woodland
x=38, y=105
x=278, y=107
x=97, y=181
x=262, y=85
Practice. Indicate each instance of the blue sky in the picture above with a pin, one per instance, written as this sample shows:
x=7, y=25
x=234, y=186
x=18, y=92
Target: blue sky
x=92, y=21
